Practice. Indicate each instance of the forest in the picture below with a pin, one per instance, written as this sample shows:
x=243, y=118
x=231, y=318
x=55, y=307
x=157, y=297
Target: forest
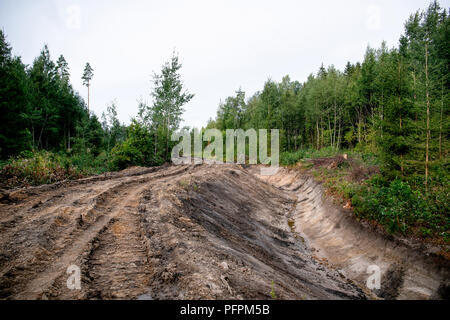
x=394, y=103
x=390, y=110
x=47, y=126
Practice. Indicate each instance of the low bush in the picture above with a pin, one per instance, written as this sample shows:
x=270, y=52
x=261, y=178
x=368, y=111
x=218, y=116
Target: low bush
x=292, y=157
x=34, y=168
x=136, y=150
x=400, y=208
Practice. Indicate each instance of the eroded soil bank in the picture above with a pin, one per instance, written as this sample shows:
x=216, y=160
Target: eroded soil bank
x=197, y=232
x=409, y=269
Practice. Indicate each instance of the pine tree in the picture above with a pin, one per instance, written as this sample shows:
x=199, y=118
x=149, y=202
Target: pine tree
x=87, y=76
x=14, y=136
x=43, y=113
x=63, y=68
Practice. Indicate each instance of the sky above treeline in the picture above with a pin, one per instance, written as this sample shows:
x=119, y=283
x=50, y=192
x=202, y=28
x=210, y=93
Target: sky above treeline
x=223, y=45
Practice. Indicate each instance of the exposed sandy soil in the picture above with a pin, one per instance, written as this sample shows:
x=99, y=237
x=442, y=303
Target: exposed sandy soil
x=191, y=232
x=409, y=269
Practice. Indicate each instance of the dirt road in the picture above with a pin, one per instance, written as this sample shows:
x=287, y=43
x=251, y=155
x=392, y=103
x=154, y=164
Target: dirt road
x=183, y=232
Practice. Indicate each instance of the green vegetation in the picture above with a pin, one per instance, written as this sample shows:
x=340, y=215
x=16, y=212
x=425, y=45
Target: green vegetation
x=400, y=205
x=137, y=149
x=38, y=168
x=48, y=133
x=289, y=158
x=272, y=291
x=391, y=111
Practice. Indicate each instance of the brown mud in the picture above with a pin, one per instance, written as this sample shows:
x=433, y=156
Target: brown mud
x=198, y=232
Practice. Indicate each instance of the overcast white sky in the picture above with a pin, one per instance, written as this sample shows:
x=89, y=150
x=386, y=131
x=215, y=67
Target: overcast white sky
x=223, y=45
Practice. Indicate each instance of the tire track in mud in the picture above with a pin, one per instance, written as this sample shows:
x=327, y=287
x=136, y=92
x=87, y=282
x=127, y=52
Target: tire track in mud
x=222, y=234
x=36, y=207
x=45, y=196
x=117, y=265
x=51, y=244
x=173, y=232
x=180, y=232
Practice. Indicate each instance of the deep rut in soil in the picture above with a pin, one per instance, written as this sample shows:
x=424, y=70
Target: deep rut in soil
x=192, y=232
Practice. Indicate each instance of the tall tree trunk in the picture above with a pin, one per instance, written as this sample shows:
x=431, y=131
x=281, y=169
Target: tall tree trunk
x=440, y=123
x=65, y=136
x=414, y=88
x=156, y=142
x=381, y=114
x=322, y=142
x=167, y=140
x=338, y=145
x=335, y=119
x=399, y=106
x=359, y=128
x=318, y=134
x=33, y=134
x=329, y=129
x=88, y=97
x=68, y=139
x=428, y=116
x=289, y=139
x=42, y=131
x=401, y=156
x=295, y=139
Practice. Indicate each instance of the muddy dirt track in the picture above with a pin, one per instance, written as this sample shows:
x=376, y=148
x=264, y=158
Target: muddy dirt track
x=199, y=232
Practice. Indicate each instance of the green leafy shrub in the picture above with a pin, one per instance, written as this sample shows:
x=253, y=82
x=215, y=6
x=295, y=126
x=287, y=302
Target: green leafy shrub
x=88, y=164
x=397, y=206
x=291, y=158
x=136, y=150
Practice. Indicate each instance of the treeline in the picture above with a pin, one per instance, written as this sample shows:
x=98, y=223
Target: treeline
x=47, y=129
x=394, y=103
x=40, y=109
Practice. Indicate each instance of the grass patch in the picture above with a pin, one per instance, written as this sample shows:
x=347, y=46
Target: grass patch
x=44, y=167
